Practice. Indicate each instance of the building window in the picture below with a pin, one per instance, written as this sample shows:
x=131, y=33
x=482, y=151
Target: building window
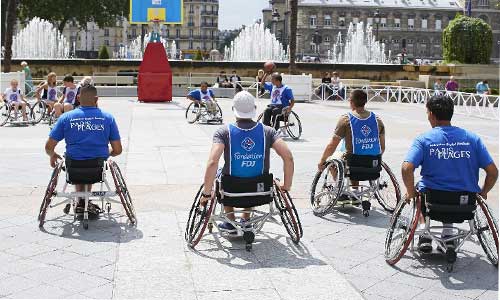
x=212, y=33
x=177, y=33
x=438, y=24
x=312, y=20
x=483, y=3
x=355, y=21
x=342, y=21
x=397, y=23
x=191, y=9
x=369, y=21
x=106, y=32
x=327, y=39
x=383, y=22
x=106, y=42
x=424, y=23
x=328, y=20
x=134, y=32
x=313, y=47
x=191, y=33
x=411, y=23
x=190, y=44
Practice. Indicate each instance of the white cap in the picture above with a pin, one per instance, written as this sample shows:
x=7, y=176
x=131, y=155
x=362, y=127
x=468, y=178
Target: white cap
x=244, y=105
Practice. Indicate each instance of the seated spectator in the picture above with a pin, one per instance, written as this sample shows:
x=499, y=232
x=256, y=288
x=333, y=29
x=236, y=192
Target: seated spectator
x=222, y=80
x=438, y=87
x=234, y=79
x=482, y=88
x=337, y=85
x=451, y=85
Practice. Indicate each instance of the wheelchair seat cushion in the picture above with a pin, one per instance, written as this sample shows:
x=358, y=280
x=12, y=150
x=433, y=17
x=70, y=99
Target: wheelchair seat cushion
x=363, y=167
x=84, y=171
x=246, y=192
x=449, y=207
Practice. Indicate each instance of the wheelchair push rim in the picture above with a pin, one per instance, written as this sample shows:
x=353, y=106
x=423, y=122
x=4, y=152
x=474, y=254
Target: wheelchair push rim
x=487, y=231
x=199, y=217
x=4, y=113
x=401, y=230
x=123, y=192
x=293, y=126
x=330, y=187
x=49, y=194
x=193, y=113
x=37, y=111
x=288, y=213
x=388, y=193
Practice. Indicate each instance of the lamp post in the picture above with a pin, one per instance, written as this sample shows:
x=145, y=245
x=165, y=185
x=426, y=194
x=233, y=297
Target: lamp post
x=317, y=39
x=276, y=18
x=377, y=22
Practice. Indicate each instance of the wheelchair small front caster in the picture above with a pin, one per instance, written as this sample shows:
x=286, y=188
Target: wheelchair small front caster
x=248, y=247
x=366, y=213
x=108, y=207
x=249, y=237
x=67, y=208
x=85, y=225
x=366, y=205
x=210, y=227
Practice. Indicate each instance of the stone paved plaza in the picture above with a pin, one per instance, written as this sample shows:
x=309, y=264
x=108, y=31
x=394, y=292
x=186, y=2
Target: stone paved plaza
x=339, y=257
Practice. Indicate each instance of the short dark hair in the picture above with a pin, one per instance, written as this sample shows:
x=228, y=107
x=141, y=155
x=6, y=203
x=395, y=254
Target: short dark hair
x=485, y=81
x=277, y=76
x=359, y=98
x=203, y=83
x=441, y=107
x=68, y=78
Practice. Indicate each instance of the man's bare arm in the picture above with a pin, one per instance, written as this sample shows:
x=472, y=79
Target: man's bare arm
x=116, y=148
x=490, y=180
x=407, y=171
x=212, y=165
x=284, y=152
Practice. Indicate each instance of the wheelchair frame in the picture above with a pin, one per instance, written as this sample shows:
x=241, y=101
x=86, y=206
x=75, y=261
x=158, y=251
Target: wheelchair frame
x=7, y=113
x=359, y=192
x=203, y=113
x=286, y=125
x=462, y=235
x=281, y=205
x=70, y=198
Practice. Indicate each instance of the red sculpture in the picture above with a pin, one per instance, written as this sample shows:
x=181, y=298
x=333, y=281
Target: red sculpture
x=154, y=83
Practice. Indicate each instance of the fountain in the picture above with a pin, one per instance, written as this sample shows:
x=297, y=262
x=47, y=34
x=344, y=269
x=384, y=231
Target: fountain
x=135, y=51
x=255, y=43
x=40, y=40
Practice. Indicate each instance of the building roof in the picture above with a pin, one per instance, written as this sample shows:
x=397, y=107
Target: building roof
x=408, y=4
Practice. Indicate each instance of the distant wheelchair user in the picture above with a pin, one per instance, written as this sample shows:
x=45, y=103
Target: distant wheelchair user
x=450, y=159
x=280, y=109
x=203, y=107
x=13, y=102
x=244, y=182
x=87, y=132
x=337, y=181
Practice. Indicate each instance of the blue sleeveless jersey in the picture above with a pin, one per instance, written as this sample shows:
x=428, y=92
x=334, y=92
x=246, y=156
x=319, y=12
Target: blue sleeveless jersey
x=365, y=135
x=247, y=151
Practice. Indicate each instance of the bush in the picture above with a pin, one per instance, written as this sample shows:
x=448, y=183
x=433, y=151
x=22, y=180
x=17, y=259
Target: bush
x=198, y=55
x=103, y=53
x=467, y=40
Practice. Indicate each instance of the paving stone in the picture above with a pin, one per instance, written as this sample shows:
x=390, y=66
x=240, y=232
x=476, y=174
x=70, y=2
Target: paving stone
x=268, y=294
x=49, y=274
x=80, y=282
x=43, y=291
x=425, y=295
x=29, y=250
x=394, y=290
x=56, y=257
x=15, y=284
x=21, y=266
x=489, y=295
x=101, y=292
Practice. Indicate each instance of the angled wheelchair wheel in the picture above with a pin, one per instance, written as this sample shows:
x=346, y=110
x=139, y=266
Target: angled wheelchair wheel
x=49, y=194
x=293, y=126
x=288, y=213
x=327, y=187
x=388, y=193
x=487, y=231
x=218, y=114
x=123, y=192
x=4, y=113
x=199, y=217
x=401, y=229
x=37, y=111
x=193, y=113
x=259, y=118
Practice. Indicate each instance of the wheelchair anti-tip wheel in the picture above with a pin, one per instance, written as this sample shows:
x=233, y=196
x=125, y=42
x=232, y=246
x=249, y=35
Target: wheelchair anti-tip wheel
x=199, y=217
x=327, y=187
x=4, y=113
x=288, y=213
x=123, y=192
x=388, y=193
x=487, y=231
x=49, y=194
x=401, y=229
x=293, y=126
x=37, y=111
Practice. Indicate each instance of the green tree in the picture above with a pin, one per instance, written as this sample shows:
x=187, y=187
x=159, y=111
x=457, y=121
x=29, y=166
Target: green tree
x=198, y=55
x=103, y=12
x=467, y=40
x=9, y=33
x=294, y=8
x=103, y=52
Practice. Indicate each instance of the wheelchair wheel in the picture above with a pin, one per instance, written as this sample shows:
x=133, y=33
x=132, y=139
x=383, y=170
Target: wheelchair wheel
x=259, y=118
x=288, y=213
x=327, y=187
x=487, y=231
x=293, y=126
x=4, y=113
x=218, y=114
x=123, y=192
x=193, y=113
x=199, y=217
x=49, y=194
x=388, y=193
x=37, y=111
x=401, y=229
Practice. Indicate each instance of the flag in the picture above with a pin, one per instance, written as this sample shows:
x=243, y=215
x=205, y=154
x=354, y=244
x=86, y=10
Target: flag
x=469, y=8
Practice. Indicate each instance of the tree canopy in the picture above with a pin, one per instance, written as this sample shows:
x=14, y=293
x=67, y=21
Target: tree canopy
x=102, y=12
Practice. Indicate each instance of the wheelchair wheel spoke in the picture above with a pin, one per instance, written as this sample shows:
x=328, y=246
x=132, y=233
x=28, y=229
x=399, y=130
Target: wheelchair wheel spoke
x=293, y=126
x=388, y=193
x=123, y=193
x=49, y=194
x=326, y=187
x=487, y=231
x=193, y=113
x=288, y=214
x=199, y=217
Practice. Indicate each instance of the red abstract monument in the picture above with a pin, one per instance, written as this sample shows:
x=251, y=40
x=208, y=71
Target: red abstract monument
x=155, y=76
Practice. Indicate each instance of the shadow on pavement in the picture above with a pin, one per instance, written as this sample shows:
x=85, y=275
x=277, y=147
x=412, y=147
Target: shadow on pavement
x=352, y=215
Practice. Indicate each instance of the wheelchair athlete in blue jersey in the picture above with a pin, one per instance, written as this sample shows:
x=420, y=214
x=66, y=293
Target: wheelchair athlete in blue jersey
x=337, y=181
x=203, y=107
x=244, y=182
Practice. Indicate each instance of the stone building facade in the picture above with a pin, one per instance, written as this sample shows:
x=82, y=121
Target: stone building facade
x=415, y=24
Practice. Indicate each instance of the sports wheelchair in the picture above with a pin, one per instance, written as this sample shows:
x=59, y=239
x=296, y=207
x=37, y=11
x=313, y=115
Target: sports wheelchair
x=245, y=194
x=446, y=207
x=199, y=112
x=291, y=123
x=333, y=182
x=34, y=111
x=87, y=172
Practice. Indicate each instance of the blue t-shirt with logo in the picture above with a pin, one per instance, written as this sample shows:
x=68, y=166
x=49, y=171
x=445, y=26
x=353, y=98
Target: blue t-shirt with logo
x=200, y=96
x=482, y=87
x=450, y=158
x=279, y=95
x=87, y=132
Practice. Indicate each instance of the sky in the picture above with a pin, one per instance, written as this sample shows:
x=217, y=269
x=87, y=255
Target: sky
x=234, y=13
